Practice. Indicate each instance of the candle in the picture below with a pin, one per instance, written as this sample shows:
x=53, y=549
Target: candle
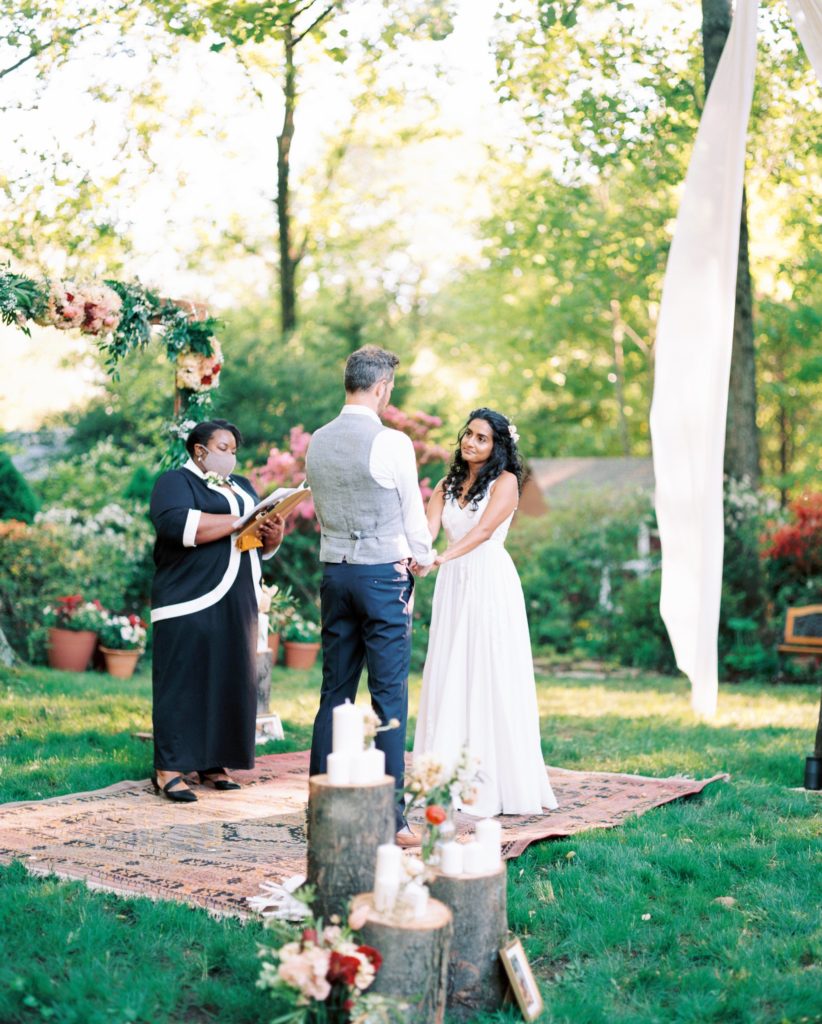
x=376, y=763
x=361, y=770
x=389, y=859
x=489, y=836
x=347, y=729
x=339, y=769
x=473, y=859
x=451, y=859
x=385, y=893
x=415, y=897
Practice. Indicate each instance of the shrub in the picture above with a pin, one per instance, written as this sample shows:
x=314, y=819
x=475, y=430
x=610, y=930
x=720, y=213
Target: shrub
x=107, y=555
x=17, y=500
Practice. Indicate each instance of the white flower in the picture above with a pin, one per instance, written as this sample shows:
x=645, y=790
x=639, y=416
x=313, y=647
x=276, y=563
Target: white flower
x=512, y=430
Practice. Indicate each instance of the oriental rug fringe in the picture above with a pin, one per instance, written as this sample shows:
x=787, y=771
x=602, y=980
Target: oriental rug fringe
x=215, y=853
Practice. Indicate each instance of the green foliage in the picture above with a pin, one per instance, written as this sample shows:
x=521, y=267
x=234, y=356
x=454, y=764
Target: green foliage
x=106, y=556
x=21, y=299
x=17, y=500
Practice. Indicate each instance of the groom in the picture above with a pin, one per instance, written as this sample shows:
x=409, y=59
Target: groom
x=363, y=479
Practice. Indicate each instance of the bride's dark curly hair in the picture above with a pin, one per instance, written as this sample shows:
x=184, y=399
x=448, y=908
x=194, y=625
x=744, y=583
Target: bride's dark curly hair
x=504, y=455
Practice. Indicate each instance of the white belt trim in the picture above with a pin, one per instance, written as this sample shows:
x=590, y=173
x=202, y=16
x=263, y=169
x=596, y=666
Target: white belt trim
x=197, y=604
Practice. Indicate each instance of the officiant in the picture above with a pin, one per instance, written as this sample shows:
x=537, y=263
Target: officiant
x=204, y=615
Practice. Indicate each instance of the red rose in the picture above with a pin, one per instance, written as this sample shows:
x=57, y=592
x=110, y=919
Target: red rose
x=206, y=379
x=435, y=814
x=310, y=935
x=216, y=368
x=342, y=968
x=372, y=955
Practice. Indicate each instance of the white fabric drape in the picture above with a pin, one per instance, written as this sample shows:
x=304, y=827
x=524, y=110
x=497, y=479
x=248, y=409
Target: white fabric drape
x=807, y=16
x=693, y=359
x=693, y=356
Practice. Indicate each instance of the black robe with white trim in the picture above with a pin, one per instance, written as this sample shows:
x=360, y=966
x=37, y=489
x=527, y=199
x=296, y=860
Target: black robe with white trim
x=204, y=615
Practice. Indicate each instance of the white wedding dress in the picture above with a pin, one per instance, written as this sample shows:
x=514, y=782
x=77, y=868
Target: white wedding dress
x=478, y=682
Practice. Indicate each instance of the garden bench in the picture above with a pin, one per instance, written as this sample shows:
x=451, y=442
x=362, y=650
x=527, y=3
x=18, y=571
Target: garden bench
x=803, y=631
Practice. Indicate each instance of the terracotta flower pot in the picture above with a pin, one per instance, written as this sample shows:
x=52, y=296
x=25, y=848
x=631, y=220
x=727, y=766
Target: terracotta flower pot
x=300, y=655
x=274, y=646
x=121, y=663
x=71, y=649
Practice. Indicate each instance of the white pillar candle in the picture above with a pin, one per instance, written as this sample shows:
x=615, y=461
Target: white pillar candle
x=489, y=836
x=361, y=770
x=415, y=897
x=375, y=760
x=385, y=894
x=347, y=729
x=473, y=859
x=338, y=769
x=389, y=858
x=451, y=859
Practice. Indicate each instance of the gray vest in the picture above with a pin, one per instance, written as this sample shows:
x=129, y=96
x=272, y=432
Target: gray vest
x=361, y=521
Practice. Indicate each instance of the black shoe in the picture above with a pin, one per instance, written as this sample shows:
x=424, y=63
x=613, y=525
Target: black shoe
x=207, y=779
x=180, y=796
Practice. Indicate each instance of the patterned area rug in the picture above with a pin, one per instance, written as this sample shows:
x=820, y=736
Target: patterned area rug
x=216, y=852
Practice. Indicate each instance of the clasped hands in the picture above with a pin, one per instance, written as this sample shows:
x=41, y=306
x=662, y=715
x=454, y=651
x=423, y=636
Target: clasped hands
x=422, y=570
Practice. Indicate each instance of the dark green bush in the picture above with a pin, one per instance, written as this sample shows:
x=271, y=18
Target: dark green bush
x=17, y=500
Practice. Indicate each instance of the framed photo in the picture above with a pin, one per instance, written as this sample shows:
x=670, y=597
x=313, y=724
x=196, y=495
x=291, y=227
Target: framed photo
x=522, y=980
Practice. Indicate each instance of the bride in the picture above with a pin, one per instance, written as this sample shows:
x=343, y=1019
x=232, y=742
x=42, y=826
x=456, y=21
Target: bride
x=478, y=682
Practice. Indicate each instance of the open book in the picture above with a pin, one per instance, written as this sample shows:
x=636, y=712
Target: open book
x=278, y=503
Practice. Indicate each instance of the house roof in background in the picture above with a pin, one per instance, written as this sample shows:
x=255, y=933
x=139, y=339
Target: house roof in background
x=558, y=479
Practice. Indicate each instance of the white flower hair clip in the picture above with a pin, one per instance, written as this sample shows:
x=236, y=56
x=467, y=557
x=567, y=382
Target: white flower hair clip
x=512, y=430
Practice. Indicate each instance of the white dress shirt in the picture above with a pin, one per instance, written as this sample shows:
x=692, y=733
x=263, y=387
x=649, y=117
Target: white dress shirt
x=393, y=465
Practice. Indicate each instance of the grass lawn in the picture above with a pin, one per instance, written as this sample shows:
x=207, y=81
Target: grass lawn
x=620, y=925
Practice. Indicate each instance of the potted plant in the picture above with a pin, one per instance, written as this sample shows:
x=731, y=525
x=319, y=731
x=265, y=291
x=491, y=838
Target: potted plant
x=73, y=624
x=280, y=612
x=301, y=639
x=122, y=641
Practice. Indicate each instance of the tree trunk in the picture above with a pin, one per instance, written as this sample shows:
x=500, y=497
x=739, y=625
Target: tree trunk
x=7, y=655
x=618, y=338
x=741, y=434
x=288, y=260
x=346, y=824
x=415, y=958
x=817, y=746
x=476, y=979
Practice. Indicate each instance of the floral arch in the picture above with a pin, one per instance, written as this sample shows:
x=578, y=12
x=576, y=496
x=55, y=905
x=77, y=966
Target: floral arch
x=123, y=317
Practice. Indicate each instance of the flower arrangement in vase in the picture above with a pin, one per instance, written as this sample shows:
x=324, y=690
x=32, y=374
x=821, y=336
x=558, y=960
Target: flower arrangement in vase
x=73, y=624
x=122, y=640
x=301, y=638
x=323, y=972
x=435, y=785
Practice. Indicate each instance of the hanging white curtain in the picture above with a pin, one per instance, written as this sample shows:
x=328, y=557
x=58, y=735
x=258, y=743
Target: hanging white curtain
x=693, y=361
x=693, y=356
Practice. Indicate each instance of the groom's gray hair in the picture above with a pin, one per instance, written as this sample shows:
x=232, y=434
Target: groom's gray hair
x=367, y=366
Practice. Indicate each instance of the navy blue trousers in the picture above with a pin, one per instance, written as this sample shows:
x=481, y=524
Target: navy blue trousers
x=366, y=621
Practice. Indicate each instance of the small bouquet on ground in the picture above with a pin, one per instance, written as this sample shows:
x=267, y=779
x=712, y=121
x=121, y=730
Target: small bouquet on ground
x=122, y=632
x=435, y=785
x=323, y=973
x=75, y=613
x=299, y=630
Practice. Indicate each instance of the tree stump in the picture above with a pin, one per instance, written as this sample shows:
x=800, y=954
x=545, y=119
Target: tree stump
x=264, y=660
x=476, y=978
x=346, y=824
x=415, y=958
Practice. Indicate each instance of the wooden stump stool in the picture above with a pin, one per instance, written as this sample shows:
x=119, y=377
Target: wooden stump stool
x=346, y=824
x=415, y=958
x=476, y=979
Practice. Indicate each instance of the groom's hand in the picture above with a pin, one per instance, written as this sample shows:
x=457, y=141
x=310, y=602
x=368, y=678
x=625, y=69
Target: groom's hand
x=420, y=570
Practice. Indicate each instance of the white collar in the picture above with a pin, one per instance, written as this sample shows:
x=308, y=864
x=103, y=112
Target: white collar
x=360, y=410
